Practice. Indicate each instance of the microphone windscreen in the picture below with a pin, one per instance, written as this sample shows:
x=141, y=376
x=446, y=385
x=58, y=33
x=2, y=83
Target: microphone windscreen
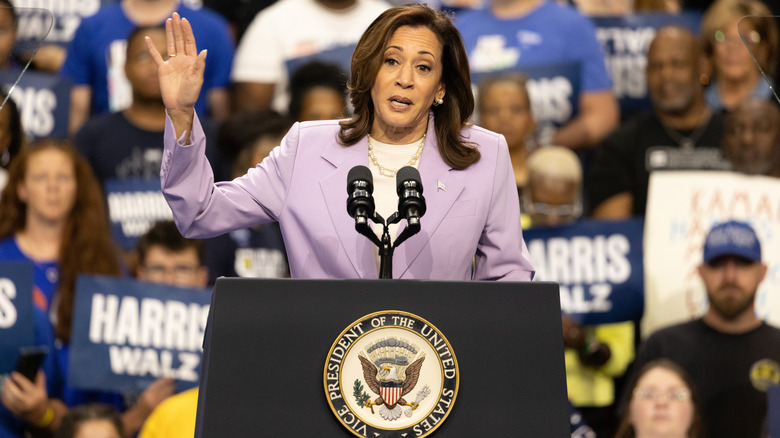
x=407, y=173
x=359, y=173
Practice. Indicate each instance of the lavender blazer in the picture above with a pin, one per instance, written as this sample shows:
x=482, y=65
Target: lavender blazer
x=472, y=214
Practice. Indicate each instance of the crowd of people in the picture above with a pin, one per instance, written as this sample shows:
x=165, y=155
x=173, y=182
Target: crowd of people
x=152, y=78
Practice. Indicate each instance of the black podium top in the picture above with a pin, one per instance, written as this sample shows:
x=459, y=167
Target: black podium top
x=268, y=340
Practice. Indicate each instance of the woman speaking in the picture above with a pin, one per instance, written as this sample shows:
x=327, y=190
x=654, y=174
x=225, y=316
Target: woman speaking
x=411, y=90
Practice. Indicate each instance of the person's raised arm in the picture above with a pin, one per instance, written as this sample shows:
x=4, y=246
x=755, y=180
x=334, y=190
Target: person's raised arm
x=181, y=75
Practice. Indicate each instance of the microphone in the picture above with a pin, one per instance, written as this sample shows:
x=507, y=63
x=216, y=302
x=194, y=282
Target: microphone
x=360, y=203
x=411, y=204
x=360, y=186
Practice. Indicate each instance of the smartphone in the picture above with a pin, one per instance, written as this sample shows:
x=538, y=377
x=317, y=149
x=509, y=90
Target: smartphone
x=30, y=360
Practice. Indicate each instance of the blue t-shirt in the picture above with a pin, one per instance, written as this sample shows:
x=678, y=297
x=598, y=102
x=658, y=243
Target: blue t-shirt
x=549, y=35
x=45, y=277
x=55, y=365
x=98, y=48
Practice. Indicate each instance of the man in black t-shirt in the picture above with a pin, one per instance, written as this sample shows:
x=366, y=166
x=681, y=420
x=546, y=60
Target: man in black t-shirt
x=680, y=133
x=129, y=144
x=731, y=355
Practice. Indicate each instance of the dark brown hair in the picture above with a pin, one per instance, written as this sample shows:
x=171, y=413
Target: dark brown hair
x=626, y=429
x=141, y=31
x=449, y=117
x=86, y=246
x=516, y=78
x=79, y=415
x=166, y=235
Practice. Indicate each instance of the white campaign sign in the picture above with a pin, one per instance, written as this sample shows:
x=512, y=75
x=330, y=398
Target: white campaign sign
x=681, y=208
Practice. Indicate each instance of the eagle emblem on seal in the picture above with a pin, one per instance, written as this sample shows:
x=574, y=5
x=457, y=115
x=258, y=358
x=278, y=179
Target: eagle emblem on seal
x=391, y=371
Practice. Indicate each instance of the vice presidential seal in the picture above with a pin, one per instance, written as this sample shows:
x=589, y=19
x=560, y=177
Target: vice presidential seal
x=391, y=374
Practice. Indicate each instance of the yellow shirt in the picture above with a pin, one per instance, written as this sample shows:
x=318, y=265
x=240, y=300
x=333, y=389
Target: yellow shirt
x=173, y=418
x=595, y=387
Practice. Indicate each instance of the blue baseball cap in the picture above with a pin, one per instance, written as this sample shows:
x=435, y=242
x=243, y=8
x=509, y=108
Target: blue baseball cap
x=732, y=238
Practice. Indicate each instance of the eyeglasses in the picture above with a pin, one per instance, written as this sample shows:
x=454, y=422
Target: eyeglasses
x=750, y=37
x=178, y=270
x=572, y=210
x=677, y=395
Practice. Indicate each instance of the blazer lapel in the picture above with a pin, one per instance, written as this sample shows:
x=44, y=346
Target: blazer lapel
x=334, y=190
x=441, y=187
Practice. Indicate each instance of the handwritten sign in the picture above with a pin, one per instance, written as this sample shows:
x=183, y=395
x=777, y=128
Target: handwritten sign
x=681, y=208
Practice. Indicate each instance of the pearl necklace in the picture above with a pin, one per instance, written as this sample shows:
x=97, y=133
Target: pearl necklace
x=391, y=172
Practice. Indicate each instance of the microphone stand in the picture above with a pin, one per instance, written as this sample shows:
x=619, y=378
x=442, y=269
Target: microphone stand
x=386, y=253
x=360, y=203
x=385, y=245
x=386, y=248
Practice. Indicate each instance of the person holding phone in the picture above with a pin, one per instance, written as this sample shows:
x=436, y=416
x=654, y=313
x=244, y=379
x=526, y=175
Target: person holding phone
x=52, y=214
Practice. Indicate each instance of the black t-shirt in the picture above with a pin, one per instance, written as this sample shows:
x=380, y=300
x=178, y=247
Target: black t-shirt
x=256, y=252
x=621, y=163
x=727, y=370
x=117, y=149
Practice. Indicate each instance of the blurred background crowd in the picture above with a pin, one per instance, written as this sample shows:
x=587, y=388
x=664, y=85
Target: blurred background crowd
x=592, y=96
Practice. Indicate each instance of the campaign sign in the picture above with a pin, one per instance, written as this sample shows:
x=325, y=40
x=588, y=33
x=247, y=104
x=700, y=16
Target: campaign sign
x=133, y=207
x=773, y=410
x=17, y=328
x=35, y=17
x=598, y=265
x=43, y=100
x=554, y=91
x=681, y=208
x=126, y=334
x=625, y=41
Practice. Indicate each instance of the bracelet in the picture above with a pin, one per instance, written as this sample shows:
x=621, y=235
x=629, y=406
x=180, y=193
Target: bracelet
x=47, y=418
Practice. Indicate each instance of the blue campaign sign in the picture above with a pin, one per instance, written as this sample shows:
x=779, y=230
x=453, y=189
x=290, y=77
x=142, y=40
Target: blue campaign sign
x=134, y=205
x=63, y=16
x=773, y=410
x=554, y=92
x=598, y=265
x=17, y=328
x=43, y=100
x=625, y=41
x=126, y=334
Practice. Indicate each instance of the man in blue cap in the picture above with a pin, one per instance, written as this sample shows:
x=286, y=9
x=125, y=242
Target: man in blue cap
x=731, y=354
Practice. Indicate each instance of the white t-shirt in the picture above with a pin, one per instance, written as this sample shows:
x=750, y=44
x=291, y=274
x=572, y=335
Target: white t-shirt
x=291, y=29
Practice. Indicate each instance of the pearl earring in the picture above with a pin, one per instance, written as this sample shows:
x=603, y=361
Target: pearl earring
x=439, y=101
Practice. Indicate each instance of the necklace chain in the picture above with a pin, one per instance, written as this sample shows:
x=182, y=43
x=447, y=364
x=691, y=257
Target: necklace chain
x=688, y=142
x=384, y=171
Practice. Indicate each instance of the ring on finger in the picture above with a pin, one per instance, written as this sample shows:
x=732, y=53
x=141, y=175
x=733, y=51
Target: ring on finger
x=171, y=55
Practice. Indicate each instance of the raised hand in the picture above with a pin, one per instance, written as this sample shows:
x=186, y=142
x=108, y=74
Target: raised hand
x=25, y=399
x=152, y=396
x=156, y=393
x=181, y=75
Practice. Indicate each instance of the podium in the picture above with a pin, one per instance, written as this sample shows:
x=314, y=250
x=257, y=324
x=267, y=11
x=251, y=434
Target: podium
x=267, y=342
